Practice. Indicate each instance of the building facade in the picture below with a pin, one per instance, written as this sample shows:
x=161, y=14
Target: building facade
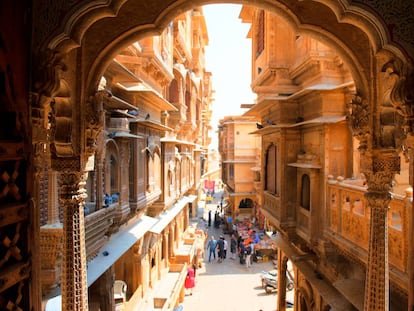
x=239, y=157
x=149, y=122
x=53, y=57
x=315, y=191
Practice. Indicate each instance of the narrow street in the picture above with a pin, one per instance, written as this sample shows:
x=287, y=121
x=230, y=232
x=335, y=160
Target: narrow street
x=229, y=285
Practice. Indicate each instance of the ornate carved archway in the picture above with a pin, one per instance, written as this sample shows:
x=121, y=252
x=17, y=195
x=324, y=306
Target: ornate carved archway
x=74, y=56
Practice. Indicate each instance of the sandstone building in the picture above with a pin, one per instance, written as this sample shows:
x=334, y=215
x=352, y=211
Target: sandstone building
x=315, y=188
x=239, y=157
x=69, y=70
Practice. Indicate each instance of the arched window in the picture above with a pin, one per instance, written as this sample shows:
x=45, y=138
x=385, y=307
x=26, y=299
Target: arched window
x=114, y=174
x=260, y=33
x=169, y=183
x=231, y=172
x=305, y=192
x=157, y=171
x=111, y=174
x=177, y=176
x=173, y=94
x=246, y=203
x=188, y=104
x=271, y=170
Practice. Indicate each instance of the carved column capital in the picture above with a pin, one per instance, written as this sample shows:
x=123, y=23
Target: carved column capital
x=71, y=180
x=379, y=168
x=358, y=116
x=94, y=120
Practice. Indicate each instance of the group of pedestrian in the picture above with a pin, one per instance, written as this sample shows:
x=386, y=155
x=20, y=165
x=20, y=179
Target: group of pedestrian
x=217, y=248
x=217, y=219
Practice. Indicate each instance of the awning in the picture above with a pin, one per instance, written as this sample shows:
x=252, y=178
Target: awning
x=120, y=73
x=305, y=165
x=114, y=103
x=320, y=120
x=165, y=218
x=124, y=113
x=176, y=141
x=118, y=244
x=237, y=194
x=329, y=293
x=151, y=124
x=124, y=135
x=191, y=198
x=147, y=95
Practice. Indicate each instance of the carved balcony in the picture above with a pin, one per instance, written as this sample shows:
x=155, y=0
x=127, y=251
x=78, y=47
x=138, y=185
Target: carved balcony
x=348, y=225
x=51, y=239
x=271, y=206
x=97, y=226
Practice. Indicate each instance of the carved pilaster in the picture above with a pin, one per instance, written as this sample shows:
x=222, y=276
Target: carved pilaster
x=379, y=167
x=72, y=198
x=408, y=153
x=94, y=142
x=281, y=275
x=400, y=93
x=52, y=107
x=94, y=122
x=358, y=117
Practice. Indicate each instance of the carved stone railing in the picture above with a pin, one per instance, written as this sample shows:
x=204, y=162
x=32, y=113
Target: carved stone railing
x=348, y=220
x=97, y=225
x=303, y=223
x=51, y=238
x=271, y=204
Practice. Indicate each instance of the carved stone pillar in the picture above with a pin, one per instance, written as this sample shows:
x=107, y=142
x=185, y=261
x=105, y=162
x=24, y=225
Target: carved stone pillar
x=165, y=246
x=99, y=184
x=95, y=142
x=72, y=198
x=53, y=206
x=124, y=208
x=409, y=154
x=379, y=167
x=411, y=253
x=281, y=280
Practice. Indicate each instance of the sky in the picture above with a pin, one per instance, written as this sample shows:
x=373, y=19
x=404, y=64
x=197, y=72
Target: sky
x=228, y=58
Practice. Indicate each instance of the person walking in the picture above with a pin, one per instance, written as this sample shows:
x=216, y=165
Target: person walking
x=242, y=252
x=233, y=246
x=189, y=282
x=248, y=253
x=209, y=218
x=211, y=246
x=225, y=246
x=220, y=248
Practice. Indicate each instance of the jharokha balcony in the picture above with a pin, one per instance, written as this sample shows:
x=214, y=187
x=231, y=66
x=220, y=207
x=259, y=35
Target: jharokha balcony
x=97, y=230
x=348, y=223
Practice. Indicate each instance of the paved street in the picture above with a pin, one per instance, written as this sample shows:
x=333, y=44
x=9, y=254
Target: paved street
x=229, y=286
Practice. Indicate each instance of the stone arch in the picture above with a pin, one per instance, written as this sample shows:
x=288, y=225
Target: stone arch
x=341, y=21
x=355, y=32
x=305, y=295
